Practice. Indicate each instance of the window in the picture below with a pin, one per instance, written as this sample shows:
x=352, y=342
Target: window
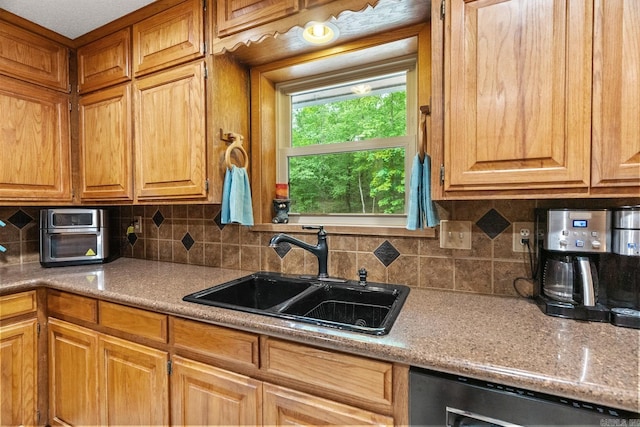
x=345, y=143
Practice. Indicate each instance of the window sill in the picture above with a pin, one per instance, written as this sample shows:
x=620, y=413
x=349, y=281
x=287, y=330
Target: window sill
x=348, y=230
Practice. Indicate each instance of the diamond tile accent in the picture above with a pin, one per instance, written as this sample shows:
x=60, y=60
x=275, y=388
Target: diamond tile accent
x=187, y=241
x=218, y=220
x=492, y=223
x=20, y=219
x=132, y=238
x=158, y=218
x=282, y=249
x=386, y=253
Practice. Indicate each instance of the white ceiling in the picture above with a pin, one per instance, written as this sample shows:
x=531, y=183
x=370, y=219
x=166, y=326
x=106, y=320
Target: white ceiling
x=72, y=18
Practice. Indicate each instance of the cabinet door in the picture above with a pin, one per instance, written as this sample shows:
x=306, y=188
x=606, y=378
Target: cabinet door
x=105, y=62
x=283, y=406
x=133, y=383
x=73, y=375
x=31, y=57
x=170, y=145
x=203, y=395
x=616, y=95
x=106, y=145
x=34, y=142
x=18, y=362
x=234, y=15
x=171, y=37
x=518, y=94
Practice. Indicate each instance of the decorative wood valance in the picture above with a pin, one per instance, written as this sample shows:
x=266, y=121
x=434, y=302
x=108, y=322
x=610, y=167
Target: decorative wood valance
x=355, y=19
x=273, y=29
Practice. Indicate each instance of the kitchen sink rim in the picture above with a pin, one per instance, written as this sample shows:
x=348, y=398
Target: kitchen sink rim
x=400, y=292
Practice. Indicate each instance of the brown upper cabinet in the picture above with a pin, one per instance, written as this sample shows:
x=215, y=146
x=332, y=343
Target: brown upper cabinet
x=106, y=145
x=35, y=128
x=518, y=105
x=105, y=62
x=33, y=58
x=169, y=38
x=170, y=134
x=616, y=96
x=235, y=15
x=34, y=142
x=518, y=98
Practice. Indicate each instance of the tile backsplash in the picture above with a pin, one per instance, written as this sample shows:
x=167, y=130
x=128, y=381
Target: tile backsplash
x=193, y=234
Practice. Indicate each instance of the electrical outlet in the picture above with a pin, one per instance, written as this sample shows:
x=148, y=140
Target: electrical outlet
x=137, y=224
x=455, y=234
x=522, y=230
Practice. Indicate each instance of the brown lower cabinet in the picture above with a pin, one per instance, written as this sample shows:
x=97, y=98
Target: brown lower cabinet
x=96, y=379
x=204, y=395
x=18, y=363
x=18, y=359
x=103, y=372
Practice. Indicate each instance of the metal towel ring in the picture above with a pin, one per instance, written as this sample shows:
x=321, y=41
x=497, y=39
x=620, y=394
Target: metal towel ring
x=236, y=145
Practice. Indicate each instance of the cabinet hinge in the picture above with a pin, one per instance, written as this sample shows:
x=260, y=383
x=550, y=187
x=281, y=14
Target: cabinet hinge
x=38, y=329
x=169, y=367
x=441, y=174
x=204, y=48
x=206, y=72
x=37, y=417
x=442, y=10
x=70, y=106
x=206, y=185
x=204, y=4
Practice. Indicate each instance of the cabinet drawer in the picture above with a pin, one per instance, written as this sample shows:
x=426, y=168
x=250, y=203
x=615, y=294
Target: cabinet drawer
x=16, y=304
x=342, y=374
x=283, y=406
x=76, y=306
x=215, y=341
x=133, y=321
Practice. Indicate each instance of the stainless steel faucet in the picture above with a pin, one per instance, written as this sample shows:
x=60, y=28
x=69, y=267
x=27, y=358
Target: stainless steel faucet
x=320, y=250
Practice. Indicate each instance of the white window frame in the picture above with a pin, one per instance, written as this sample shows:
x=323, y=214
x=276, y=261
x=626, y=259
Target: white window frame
x=408, y=142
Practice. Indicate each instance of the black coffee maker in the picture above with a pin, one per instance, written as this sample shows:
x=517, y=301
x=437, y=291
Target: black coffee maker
x=620, y=270
x=570, y=245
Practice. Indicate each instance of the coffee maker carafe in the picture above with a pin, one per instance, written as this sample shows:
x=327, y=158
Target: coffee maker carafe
x=569, y=245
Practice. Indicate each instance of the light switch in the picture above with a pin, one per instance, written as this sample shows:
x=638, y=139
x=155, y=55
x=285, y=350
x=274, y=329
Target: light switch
x=455, y=234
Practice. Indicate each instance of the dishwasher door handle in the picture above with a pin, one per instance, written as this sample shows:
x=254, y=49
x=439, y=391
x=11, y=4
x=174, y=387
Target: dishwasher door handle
x=460, y=418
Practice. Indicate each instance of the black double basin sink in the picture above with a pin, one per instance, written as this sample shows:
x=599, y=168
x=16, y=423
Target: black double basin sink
x=342, y=304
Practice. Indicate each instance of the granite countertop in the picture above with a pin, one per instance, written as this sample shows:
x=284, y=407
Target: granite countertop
x=500, y=339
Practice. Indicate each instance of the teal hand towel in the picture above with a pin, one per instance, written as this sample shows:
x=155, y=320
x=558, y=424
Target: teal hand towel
x=236, y=197
x=414, y=215
x=429, y=210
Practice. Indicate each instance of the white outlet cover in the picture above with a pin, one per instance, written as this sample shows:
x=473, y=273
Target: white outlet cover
x=516, y=245
x=455, y=234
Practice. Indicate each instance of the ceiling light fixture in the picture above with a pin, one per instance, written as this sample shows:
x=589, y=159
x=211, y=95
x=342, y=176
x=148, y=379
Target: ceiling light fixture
x=319, y=33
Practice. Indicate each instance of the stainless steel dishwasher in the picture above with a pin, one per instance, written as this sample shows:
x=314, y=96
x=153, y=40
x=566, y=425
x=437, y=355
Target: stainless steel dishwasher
x=437, y=399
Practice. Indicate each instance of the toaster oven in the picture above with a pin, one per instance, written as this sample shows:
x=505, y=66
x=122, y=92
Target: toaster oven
x=73, y=236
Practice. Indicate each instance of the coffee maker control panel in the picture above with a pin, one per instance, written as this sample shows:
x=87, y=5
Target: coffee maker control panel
x=573, y=230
